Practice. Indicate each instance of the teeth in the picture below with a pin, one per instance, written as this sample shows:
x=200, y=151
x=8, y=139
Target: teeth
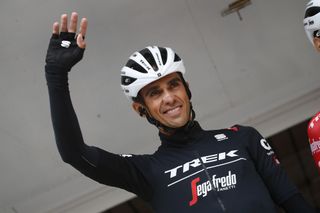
x=173, y=110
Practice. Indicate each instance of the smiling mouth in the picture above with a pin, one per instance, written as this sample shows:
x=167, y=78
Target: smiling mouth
x=173, y=111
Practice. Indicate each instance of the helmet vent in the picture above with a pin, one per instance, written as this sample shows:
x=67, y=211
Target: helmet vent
x=163, y=53
x=149, y=57
x=176, y=58
x=137, y=67
x=312, y=11
x=126, y=80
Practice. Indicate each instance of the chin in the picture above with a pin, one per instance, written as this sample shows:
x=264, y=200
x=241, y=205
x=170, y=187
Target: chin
x=178, y=124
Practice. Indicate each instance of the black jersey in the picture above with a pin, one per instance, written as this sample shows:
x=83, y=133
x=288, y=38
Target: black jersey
x=214, y=171
x=193, y=171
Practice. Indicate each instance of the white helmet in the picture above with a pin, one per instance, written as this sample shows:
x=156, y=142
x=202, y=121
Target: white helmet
x=311, y=20
x=148, y=65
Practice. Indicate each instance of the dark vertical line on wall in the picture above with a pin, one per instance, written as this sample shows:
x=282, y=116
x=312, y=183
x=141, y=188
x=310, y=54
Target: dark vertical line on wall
x=14, y=209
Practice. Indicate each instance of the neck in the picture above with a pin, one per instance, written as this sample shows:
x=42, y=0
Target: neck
x=165, y=132
x=182, y=136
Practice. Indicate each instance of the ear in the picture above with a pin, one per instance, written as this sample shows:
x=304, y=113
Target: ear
x=188, y=90
x=316, y=42
x=139, y=108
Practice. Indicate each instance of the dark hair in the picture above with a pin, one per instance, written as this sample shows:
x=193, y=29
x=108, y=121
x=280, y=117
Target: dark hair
x=138, y=99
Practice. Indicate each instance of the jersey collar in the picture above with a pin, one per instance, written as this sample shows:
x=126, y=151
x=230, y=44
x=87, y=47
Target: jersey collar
x=183, y=136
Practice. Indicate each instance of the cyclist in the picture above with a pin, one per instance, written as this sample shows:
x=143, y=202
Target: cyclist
x=311, y=24
x=193, y=170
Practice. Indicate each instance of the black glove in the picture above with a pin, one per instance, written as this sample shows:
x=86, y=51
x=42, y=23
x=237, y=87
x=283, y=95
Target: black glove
x=63, y=52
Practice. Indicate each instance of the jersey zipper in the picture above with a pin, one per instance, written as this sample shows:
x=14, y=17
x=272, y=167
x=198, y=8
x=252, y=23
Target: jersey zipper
x=215, y=193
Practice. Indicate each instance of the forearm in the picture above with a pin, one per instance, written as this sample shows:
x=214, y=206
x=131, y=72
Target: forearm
x=65, y=123
x=68, y=134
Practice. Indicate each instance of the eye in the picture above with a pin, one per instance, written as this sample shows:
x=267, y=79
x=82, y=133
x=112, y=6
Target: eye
x=174, y=84
x=154, y=93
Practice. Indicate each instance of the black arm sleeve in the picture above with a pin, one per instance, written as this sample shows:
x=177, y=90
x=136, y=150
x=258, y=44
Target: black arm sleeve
x=102, y=166
x=297, y=204
x=282, y=190
x=275, y=178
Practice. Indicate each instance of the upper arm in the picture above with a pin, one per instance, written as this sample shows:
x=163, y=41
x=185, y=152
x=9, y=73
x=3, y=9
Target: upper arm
x=268, y=166
x=113, y=170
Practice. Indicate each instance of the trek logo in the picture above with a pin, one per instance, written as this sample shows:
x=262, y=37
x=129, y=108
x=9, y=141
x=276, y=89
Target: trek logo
x=205, y=159
x=158, y=59
x=145, y=65
x=219, y=183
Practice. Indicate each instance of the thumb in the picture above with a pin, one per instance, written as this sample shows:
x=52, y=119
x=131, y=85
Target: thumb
x=80, y=41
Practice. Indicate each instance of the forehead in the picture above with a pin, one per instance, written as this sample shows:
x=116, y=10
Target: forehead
x=162, y=81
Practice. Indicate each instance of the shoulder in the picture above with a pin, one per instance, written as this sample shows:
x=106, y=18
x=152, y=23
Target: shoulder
x=237, y=133
x=136, y=156
x=138, y=160
x=237, y=130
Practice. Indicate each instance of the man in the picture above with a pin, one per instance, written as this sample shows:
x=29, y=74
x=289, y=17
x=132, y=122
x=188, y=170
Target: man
x=311, y=24
x=193, y=171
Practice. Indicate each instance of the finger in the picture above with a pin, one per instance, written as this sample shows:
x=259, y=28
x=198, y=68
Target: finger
x=80, y=41
x=83, y=27
x=73, y=22
x=63, y=21
x=55, y=28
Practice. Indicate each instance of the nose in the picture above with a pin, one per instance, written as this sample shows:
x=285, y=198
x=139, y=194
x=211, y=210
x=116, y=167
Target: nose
x=168, y=97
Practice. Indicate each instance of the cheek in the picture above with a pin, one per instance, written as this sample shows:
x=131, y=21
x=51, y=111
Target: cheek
x=153, y=107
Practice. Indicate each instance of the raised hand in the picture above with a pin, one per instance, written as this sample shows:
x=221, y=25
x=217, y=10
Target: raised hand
x=65, y=47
